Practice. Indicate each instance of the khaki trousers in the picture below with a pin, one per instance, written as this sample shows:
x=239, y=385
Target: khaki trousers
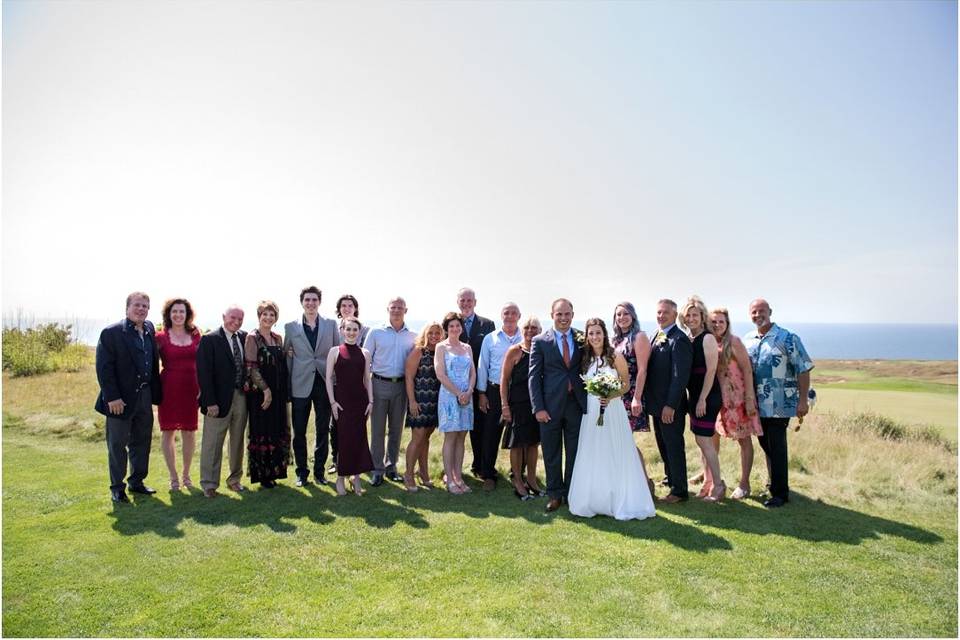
x=211, y=446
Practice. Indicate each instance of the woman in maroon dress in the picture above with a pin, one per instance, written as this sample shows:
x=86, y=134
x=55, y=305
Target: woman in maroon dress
x=177, y=343
x=351, y=398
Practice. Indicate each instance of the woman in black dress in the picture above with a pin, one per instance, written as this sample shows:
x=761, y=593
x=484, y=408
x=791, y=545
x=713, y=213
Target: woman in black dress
x=422, y=390
x=268, y=448
x=522, y=435
x=351, y=397
x=704, y=395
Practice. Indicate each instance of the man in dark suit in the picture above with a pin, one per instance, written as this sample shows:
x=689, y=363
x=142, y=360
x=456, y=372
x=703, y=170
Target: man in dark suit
x=220, y=372
x=474, y=329
x=665, y=396
x=128, y=370
x=558, y=397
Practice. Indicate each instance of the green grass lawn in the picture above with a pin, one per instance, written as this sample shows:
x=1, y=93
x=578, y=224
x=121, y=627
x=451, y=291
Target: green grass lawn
x=867, y=547
x=936, y=409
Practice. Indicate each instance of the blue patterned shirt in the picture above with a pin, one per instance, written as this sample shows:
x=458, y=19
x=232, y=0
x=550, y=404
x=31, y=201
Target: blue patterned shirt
x=777, y=358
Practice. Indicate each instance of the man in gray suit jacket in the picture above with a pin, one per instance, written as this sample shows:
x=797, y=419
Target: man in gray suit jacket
x=558, y=397
x=307, y=342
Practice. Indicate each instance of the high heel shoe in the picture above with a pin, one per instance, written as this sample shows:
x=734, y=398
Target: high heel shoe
x=357, y=489
x=454, y=488
x=174, y=485
x=717, y=494
x=341, y=487
x=187, y=483
x=410, y=485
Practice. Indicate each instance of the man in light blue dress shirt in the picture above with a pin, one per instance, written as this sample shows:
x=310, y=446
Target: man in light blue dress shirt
x=492, y=352
x=389, y=347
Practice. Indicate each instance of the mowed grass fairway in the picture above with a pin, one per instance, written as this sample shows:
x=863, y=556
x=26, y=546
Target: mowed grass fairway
x=911, y=391
x=867, y=547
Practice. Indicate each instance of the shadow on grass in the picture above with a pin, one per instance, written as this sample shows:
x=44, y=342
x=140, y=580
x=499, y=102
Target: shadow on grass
x=812, y=520
x=386, y=506
x=277, y=508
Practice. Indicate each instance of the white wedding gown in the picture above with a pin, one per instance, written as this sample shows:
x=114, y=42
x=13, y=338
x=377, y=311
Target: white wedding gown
x=608, y=478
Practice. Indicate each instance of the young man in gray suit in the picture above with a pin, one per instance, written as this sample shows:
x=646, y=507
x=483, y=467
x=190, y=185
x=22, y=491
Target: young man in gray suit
x=308, y=340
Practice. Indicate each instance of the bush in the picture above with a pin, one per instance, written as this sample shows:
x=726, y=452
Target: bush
x=890, y=429
x=71, y=358
x=41, y=349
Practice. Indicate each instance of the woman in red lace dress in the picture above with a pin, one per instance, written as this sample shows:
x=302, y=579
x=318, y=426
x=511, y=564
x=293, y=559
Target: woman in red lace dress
x=177, y=343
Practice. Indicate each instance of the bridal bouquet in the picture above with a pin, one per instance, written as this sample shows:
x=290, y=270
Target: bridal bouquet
x=605, y=384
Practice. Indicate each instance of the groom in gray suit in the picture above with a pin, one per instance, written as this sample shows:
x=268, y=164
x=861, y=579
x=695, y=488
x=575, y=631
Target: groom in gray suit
x=558, y=397
x=307, y=342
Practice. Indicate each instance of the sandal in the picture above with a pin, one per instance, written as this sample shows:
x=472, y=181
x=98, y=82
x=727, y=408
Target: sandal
x=357, y=489
x=717, y=494
x=410, y=485
x=426, y=484
x=174, y=485
x=740, y=493
x=341, y=489
x=454, y=488
x=536, y=493
x=187, y=483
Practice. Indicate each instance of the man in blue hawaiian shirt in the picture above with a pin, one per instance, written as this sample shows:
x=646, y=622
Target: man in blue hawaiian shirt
x=781, y=373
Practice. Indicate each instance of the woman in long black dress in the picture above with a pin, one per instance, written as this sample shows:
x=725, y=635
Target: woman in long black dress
x=350, y=392
x=269, y=434
x=705, y=398
x=522, y=435
x=423, y=388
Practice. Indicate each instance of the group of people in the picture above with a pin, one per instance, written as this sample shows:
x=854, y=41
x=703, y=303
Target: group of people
x=517, y=387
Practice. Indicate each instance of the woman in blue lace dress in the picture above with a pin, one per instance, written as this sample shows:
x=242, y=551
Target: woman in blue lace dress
x=453, y=361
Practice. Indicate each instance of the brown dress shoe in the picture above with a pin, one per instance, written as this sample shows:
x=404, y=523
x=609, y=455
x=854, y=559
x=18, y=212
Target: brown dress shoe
x=489, y=485
x=210, y=493
x=553, y=504
x=672, y=499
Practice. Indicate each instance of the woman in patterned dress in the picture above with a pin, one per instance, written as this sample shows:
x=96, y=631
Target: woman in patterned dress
x=453, y=362
x=738, y=416
x=633, y=344
x=268, y=447
x=177, y=345
x=422, y=385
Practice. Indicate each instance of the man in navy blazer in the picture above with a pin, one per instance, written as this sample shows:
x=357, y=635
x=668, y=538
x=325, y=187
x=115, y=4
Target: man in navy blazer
x=665, y=396
x=558, y=397
x=220, y=373
x=128, y=371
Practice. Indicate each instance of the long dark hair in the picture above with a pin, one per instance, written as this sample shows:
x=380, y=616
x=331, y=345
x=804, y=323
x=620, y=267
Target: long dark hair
x=188, y=323
x=608, y=355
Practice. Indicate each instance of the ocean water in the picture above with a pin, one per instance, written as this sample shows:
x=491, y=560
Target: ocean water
x=822, y=340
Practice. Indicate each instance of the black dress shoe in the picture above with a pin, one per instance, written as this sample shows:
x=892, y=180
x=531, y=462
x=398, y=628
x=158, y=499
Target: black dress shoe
x=376, y=481
x=393, y=476
x=119, y=495
x=302, y=482
x=320, y=480
x=774, y=502
x=144, y=489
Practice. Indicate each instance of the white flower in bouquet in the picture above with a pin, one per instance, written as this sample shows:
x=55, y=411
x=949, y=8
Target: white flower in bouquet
x=605, y=384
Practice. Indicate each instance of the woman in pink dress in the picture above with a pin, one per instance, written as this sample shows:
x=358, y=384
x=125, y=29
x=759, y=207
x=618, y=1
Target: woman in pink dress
x=177, y=344
x=738, y=417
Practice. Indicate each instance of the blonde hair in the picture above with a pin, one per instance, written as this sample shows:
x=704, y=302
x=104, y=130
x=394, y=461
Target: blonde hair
x=726, y=344
x=529, y=321
x=421, y=341
x=268, y=304
x=694, y=302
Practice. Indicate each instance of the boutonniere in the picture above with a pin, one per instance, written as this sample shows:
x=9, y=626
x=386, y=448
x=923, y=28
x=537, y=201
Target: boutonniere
x=578, y=338
x=661, y=339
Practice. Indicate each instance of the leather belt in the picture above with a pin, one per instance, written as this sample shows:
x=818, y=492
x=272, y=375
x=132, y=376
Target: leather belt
x=387, y=379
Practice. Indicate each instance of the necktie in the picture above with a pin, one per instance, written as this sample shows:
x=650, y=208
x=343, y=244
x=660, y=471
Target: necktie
x=566, y=359
x=237, y=361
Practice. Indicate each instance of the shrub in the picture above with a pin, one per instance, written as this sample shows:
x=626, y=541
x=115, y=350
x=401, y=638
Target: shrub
x=71, y=358
x=41, y=349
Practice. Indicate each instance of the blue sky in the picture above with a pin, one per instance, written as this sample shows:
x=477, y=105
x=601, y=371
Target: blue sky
x=805, y=152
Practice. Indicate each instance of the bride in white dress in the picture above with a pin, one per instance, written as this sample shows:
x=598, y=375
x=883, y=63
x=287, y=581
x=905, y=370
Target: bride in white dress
x=608, y=477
